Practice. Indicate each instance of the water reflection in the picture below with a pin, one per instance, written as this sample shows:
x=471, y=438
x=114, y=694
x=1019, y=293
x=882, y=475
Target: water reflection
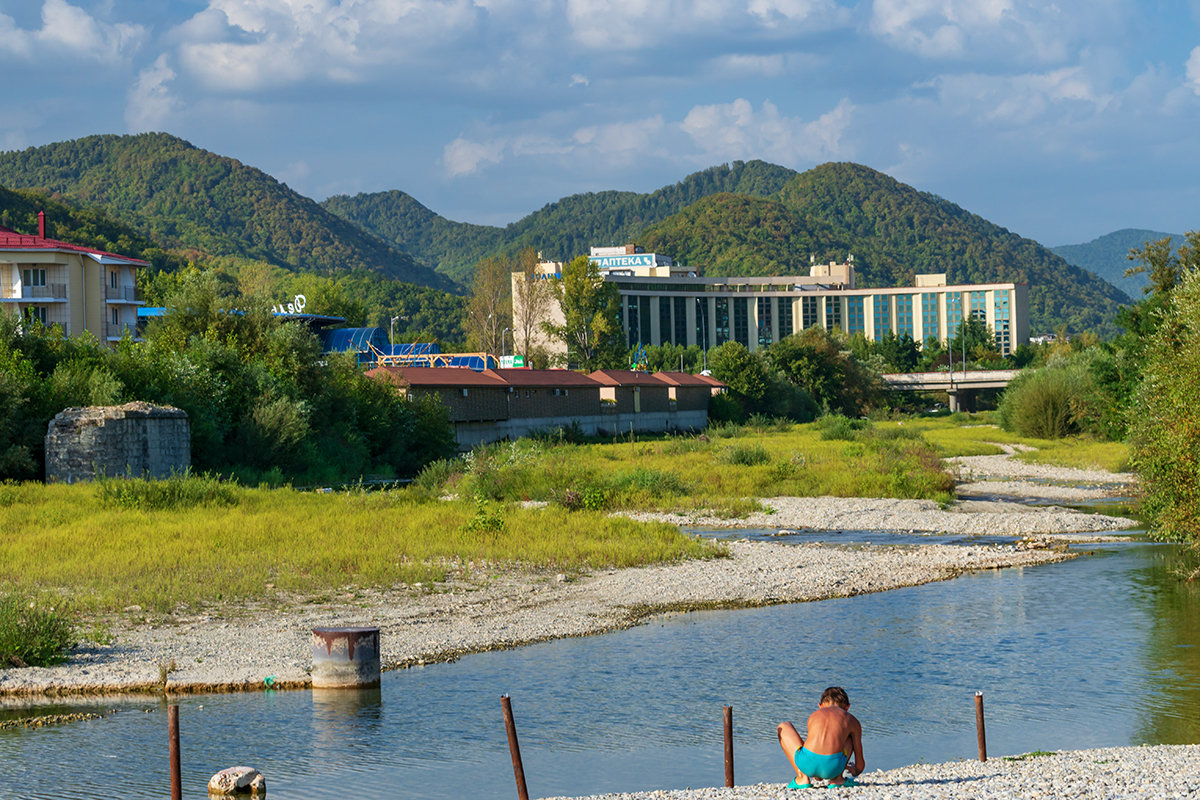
x=1172, y=652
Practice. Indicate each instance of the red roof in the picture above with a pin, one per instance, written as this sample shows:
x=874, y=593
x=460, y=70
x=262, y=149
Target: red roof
x=542, y=377
x=711, y=381
x=11, y=240
x=437, y=376
x=687, y=379
x=625, y=377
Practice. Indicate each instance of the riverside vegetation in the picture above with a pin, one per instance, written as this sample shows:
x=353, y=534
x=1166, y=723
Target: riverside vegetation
x=193, y=542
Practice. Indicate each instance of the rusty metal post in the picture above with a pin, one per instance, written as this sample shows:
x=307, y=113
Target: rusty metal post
x=729, y=745
x=173, y=752
x=979, y=726
x=513, y=748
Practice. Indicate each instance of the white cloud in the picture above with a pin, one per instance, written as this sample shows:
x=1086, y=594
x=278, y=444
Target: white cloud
x=70, y=33
x=464, y=157
x=737, y=130
x=1193, y=70
x=150, y=104
x=579, y=80
x=1021, y=99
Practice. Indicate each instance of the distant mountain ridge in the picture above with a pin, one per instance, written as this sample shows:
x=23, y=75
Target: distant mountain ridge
x=187, y=198
x=893, y=230
x=1108, y=256
x=560, y=230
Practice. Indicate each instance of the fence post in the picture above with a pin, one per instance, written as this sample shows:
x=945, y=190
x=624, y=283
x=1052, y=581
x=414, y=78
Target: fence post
x=979, y=726
x=729, y=745
x=513, y=748
x=173, y=752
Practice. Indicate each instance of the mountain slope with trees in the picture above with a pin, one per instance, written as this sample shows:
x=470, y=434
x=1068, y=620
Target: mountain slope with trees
x=187, y=198
x=1108, y=256
x=560, y=230
x=893, y=231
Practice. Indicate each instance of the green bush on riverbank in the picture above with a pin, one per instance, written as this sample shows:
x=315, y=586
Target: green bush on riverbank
x=32, y=634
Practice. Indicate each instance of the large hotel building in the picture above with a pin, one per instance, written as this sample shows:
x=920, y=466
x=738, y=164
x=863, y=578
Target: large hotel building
x=665, y=303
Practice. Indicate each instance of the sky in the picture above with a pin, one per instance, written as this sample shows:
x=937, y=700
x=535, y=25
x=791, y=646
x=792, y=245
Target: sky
x=1061, y=121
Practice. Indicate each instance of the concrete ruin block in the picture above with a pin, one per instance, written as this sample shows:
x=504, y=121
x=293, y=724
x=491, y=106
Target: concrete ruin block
x=138, y=439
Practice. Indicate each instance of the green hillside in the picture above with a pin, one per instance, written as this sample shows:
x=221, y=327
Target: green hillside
x=560, y=230
x=893, y=231
x=1107, y=256
x=187, y=198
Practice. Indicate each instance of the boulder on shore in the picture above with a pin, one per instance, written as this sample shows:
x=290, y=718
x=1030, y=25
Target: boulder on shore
x=237, y=780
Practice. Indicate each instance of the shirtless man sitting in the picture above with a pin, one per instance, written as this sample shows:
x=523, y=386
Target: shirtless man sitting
x=833, y=733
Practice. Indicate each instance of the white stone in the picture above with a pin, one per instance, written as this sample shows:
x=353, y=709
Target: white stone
x=237, y=780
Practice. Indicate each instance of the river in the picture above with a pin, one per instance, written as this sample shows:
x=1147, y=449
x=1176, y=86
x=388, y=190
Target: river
x=1100, y=650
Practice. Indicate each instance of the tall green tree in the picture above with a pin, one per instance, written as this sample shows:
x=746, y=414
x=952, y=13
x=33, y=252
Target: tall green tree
x=591, y=309
x=489, y=308
x=820, y=362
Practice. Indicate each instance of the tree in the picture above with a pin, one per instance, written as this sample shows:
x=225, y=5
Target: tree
x=591, y=309
x=745, y=373
x=899, y=353
x=820, y=362
x=489, y=309
x=533, y=297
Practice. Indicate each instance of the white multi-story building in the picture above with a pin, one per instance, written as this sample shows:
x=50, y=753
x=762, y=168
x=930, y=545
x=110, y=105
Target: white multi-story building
x=665, y=303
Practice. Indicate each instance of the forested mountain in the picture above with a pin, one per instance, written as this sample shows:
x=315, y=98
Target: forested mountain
x=560, y=230
x=187, y=198
x=893, y=231
x=1108, y=256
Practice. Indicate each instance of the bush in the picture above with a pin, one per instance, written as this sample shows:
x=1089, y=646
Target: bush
x=836, y=426
x=436, y=474
x=1042, y=403
x=179, y=491
x=745, y=455
x=32, y=635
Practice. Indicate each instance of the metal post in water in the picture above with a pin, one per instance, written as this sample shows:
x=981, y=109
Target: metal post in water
x=979, y=726
x=514, y=748
x=173, y=752
x=729, y=745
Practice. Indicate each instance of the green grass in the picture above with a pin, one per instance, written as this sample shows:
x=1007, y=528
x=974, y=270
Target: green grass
x=1082, y=452
x=32, y=633
x=304, y=544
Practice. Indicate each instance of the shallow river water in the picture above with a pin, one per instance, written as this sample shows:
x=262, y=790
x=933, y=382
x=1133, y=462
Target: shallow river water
x=1101, y=650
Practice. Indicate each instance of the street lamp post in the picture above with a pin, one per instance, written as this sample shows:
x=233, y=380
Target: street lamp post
x=504, y=341
x=392, y=331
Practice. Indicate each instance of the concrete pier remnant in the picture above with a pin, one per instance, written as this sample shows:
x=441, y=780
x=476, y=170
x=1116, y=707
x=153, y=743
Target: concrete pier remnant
x=137, y=439
x=345, y=658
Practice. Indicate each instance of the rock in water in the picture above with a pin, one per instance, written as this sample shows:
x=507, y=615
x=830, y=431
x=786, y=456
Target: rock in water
x=238, y=780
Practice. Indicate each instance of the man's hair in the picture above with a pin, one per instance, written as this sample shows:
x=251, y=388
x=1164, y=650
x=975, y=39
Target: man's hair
x=837, y=694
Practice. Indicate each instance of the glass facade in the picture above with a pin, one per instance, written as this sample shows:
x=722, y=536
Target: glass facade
x=883, y=316
x=765, y=318
x=854, y=315
x=904, y=315
x=666, y=332
x=833, y=313
x=680, y=319
x=644, y=309
x=741, y=321
x=954, y=314
x=930, y=317
x=808, y=312
x=633, y=319
x=722, y=304
x=979, y=306
x=1002, y=314
x=702, y=337
x=785, y=317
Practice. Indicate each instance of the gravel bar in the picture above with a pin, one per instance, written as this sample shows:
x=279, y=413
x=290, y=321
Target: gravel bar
x=1110, y=773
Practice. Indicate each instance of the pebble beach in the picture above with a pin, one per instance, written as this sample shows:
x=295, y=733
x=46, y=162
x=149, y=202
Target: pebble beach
x=250, y=646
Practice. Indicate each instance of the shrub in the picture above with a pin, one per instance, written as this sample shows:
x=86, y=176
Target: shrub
x=1041, y=403
x=178, y=491
x=745, y=455
x=436, y=474
x=32, y=635
x=653, y=482
x=836, y=426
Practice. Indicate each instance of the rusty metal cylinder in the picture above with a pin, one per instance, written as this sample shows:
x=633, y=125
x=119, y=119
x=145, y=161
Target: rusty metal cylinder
x=345, y=658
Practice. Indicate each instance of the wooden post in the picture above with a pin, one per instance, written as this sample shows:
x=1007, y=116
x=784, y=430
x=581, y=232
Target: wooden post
x=729, y=745
x=173, y=752
x=979, y=726
x=513, y=748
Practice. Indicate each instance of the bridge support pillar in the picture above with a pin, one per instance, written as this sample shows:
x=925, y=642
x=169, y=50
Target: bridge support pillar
x=952, y=400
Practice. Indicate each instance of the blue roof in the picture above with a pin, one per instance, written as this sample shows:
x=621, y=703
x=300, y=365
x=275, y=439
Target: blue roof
x=339, y=340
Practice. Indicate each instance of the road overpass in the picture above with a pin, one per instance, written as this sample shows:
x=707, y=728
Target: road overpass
x=959, y=386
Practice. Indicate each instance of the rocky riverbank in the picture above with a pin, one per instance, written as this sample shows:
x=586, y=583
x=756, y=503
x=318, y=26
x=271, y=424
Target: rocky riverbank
x=1111, y=773
x=248, y=646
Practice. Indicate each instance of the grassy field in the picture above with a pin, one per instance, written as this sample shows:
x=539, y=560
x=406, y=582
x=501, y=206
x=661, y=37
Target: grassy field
x=161, y=545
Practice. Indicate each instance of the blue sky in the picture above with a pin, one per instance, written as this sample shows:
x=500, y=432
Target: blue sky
x=1060, y=120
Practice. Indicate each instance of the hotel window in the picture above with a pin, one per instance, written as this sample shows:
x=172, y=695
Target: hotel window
x=702, y=323
x=680, y=320
x=1003, y=324
x=644, y=326
x=904, y=315
x=808, y=312
x=785, y=317
x=631, y=320
x=883, y=317
x=764, y=320
x=36, y=314
x=929, y=317
x=33, y=277
x=833, y=313
x=722, y=320
x=116, y=316
x=112, y=278
x=741, y=322
x=854, y=315
x=954, y=313
x=665, y=330
x=979, y=306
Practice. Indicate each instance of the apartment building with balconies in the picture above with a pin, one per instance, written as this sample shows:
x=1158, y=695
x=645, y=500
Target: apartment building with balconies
x=70, y=286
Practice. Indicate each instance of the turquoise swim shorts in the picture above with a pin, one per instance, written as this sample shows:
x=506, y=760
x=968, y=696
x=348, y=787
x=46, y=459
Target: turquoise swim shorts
x=815, y=765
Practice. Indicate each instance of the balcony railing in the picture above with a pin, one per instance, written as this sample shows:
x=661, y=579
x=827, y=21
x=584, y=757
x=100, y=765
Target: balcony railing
x=119, y=330
x=53, y=291
x=128, y=293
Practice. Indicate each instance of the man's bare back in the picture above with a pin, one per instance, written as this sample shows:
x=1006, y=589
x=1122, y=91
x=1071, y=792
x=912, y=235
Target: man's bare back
x=833, y=734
